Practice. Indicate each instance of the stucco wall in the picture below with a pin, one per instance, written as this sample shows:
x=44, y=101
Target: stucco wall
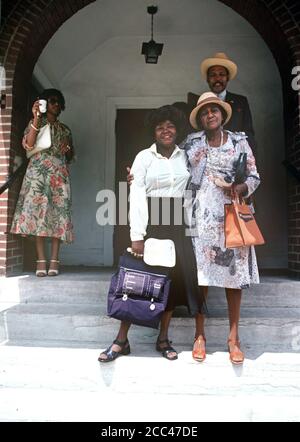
x=114, y=68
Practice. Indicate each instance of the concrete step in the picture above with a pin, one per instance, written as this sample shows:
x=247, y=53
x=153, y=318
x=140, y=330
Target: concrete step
x=73, y=386
x=83, y=323
x=92, y=287
x=72, y=308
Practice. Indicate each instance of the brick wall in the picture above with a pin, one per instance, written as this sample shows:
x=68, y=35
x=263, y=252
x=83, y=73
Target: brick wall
x=278, y=22
x=27, y=29
x=31, y=23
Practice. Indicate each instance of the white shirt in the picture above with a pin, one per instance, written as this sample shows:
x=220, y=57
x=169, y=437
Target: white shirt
x=154, y=176
x=222, y=95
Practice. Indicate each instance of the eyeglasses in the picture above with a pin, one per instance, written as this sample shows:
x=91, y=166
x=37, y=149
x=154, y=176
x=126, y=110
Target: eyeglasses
x=53, y=100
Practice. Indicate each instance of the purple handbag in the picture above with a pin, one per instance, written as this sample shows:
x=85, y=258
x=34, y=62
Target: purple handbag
x=138, y=293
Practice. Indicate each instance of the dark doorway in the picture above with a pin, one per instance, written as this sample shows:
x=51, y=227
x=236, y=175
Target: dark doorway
x=131, y=138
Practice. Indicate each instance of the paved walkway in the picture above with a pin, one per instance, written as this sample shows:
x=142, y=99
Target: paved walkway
x=51, y=332
x=47, y=383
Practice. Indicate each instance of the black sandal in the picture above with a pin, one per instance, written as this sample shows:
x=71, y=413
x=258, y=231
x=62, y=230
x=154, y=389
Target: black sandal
x=165, y=351
x=112, y=355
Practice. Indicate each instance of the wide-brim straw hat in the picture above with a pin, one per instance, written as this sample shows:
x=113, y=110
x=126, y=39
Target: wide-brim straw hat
x=207, y=98
x=219, y=59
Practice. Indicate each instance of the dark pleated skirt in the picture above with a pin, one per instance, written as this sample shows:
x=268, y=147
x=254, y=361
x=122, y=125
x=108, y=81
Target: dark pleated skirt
x=166, y=221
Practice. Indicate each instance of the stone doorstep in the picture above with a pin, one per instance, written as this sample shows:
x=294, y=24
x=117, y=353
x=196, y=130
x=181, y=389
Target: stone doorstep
x=109, y=406
x=92, y=288
x=72, y=307
x=144, y=371
x=282, y=333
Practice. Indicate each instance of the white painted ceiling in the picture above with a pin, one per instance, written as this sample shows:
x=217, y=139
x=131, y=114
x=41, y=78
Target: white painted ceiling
x=103, y=20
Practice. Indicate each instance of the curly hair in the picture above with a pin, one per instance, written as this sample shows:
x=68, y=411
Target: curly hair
x=164, y=113
x=47, y=93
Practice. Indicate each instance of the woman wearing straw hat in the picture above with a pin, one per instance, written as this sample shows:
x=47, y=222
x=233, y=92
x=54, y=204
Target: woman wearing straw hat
x=212, y=154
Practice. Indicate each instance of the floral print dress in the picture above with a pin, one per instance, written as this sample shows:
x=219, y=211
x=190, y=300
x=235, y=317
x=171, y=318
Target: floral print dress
x=44, y=204
x=217, y=265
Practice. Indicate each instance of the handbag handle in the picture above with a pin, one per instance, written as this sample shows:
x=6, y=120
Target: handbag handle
x=235, y=198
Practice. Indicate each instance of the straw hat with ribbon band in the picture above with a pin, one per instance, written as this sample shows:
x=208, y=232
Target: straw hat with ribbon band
x=207, y=98
x=219, y=59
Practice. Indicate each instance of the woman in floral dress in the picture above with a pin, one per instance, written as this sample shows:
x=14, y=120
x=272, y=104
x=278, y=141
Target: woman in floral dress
x=213, y=154
x=44, y=205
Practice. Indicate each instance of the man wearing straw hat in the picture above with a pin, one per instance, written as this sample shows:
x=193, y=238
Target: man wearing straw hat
x=218, y=70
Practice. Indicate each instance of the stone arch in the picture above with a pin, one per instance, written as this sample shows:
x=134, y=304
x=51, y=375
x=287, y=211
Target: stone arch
x=30, y=24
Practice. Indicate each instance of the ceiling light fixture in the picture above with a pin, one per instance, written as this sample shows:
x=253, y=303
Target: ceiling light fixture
x=152, y=50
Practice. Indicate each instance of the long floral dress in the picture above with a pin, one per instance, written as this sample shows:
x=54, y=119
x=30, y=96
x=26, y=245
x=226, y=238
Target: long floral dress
x=217, y=265
x=44, y=204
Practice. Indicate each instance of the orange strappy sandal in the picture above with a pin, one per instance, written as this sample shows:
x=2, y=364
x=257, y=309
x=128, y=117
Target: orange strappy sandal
x=236, y=357
x=199, y=354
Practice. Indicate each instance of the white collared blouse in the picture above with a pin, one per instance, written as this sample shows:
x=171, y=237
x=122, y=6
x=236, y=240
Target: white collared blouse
x=154, y=176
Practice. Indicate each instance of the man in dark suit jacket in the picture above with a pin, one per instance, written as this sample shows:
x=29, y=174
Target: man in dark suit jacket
x=218, y=71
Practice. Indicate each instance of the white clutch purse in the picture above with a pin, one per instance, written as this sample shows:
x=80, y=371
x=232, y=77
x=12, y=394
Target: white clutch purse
x=43, y=141
x=159, y=252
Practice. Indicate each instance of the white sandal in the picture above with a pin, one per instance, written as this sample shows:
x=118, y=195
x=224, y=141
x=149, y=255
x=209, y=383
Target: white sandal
x=53, y=272
x=41, y=273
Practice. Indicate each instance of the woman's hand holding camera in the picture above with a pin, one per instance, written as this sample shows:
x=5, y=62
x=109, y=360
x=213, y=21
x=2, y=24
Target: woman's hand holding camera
x=36, y=111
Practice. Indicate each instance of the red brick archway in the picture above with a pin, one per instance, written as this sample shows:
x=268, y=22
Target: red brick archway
x=31, y=23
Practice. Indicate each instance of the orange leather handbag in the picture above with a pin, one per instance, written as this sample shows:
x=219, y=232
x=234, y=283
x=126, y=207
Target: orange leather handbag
x=240, y=226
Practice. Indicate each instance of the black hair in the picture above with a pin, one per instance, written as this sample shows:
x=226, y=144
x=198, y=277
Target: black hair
x=47, y=93
x=222, y=110
x=164, y=113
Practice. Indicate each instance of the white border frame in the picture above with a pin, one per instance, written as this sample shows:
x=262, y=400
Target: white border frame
x=112, y=105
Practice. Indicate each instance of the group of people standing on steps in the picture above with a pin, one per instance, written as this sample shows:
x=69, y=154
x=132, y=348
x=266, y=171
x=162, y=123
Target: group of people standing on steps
x=222, y=128
x=204, y=163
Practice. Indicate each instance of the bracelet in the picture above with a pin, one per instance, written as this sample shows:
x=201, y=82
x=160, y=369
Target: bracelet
x=28, y=147
x=136, y=255
x=35, y=128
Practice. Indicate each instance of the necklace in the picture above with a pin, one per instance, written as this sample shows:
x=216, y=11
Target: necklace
x=218, y=181
x=221, y=143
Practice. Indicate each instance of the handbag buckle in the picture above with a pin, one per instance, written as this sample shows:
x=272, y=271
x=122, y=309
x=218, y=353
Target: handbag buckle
x=152, y=305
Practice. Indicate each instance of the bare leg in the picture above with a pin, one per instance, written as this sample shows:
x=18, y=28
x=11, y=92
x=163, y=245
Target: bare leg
x=234, y=297
x=121, y=337
x=40, y=253
x=200, y=318
x=199, y=344
x=163, y=333
x=54, y=263
x=40, y=247
x=164, y=324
